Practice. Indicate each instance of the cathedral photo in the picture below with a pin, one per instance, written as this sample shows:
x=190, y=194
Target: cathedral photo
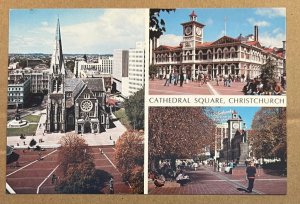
x=74, y=103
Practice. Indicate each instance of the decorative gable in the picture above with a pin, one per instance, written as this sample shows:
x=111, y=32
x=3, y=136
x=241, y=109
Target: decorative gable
x=225, y=40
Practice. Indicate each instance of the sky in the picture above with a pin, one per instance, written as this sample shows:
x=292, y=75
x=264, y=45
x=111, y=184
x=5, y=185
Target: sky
x=246, y=113
x=271, y=24
x=84, y=31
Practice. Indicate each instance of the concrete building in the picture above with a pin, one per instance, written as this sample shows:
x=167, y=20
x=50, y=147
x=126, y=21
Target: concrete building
x=38, y=77
x=103, y=66
x=18, y=92
x=220, y=135
x=101, y=69
x=120, y=72
x=136, y=68
x=226, y=55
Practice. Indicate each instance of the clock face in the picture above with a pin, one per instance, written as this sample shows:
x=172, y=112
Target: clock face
x=198, y=31
x=86, y=105
x=235, y=125
x=188, y=30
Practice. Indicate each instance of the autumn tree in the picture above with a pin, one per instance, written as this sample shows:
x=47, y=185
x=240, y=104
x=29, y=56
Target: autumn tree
x=268, y=136
x=129, y=156
x=178, y=132
x=76, y=163
x=134, y=109
x=80, y=178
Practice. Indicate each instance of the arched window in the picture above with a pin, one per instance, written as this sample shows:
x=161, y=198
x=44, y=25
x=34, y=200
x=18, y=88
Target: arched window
x=174, y=58
x=200, y=55
x=219, y=54
x=233, y=53
x=158, y=59
x=209, y=54
x=166, y=57
x=188, y=56
x=226, y=53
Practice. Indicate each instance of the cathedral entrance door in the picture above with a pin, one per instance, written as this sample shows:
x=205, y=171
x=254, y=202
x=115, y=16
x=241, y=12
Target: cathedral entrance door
x=87, y=127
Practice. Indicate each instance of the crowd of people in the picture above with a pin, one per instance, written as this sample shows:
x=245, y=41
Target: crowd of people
x=256, y=86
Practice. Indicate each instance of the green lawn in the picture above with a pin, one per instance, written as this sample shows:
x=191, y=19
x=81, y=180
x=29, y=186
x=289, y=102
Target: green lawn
x=32, y=118
x=28, y=130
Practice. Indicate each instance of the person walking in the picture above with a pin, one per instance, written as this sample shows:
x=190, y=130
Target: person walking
x=167, y=79
x=181, y=79
x=250, y=171
x=111, y=186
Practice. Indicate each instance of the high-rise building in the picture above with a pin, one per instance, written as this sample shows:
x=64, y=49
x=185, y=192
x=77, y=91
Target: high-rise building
x=120, y=72
x=136, y=68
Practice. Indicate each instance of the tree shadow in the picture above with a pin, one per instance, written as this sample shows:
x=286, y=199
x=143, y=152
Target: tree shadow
x=12, y=158
x=103, y=177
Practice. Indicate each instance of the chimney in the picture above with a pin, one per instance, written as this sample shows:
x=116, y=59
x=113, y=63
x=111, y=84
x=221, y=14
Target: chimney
x=255, y=33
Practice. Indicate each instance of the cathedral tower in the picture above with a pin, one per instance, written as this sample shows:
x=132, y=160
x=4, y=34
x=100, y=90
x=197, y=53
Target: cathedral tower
x=56, y=94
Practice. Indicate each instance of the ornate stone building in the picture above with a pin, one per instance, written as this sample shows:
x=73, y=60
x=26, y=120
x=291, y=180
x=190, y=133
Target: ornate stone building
x=74, y=103
x=227, y=55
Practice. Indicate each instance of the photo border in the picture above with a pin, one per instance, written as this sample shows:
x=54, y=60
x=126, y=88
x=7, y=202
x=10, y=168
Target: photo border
x=293, y=108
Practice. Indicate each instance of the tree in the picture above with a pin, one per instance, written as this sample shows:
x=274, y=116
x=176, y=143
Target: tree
x=152, y=71
x=129, y=156
x=134, y=109
x=268, y=136
x=157, y=25
x=70, y=65
x=73, y=151
x=85, y=58
x=76, y=163
x=79, y=178
x=178, y=132
x=268, y=74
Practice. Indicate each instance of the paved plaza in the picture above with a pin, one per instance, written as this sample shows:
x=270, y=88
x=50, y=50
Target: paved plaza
x=33, y=176
x=206, y=181
x=156, y=87
x=109, y=137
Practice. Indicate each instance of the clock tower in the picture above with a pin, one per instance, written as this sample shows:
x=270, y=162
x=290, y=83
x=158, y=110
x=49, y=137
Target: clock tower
x=234, y=124
x=192, y=35
x=192, y=32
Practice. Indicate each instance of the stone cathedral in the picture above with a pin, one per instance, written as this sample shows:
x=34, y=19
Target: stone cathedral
x=74, y=104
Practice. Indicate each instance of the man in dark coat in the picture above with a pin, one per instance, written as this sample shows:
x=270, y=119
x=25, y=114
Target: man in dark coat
x=251, y=171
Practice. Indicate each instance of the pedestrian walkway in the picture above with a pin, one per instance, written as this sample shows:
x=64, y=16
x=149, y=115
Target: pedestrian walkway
x=156, y=87
x=34, y=176
x=205, y=181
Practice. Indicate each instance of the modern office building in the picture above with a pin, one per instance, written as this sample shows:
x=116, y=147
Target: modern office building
x=136, y=68
x=120, y=72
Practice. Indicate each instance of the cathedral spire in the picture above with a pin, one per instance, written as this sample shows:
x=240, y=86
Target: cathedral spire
x=57, y=60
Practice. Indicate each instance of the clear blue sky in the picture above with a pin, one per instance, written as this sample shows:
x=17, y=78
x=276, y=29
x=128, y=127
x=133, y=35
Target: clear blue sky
x=247, y=113
x=271, y=22
x=90, y=31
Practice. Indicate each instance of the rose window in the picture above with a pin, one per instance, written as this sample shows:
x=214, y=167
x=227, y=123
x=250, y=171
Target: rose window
x=86, y=105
